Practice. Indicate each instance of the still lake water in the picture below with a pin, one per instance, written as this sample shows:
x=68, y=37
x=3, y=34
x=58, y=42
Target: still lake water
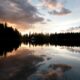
x=32, y=62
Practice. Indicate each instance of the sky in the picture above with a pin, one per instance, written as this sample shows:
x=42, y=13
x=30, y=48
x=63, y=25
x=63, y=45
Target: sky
x=47, y=16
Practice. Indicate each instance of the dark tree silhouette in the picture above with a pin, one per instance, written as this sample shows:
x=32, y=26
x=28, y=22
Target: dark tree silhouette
x=65, y=39
x=9, y=39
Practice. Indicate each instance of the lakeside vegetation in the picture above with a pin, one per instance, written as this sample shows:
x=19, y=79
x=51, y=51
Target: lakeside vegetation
x=62, y=39
x=8, y=33
x=11, y=39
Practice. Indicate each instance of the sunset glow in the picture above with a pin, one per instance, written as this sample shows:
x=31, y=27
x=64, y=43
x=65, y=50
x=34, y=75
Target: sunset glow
x=47, y=16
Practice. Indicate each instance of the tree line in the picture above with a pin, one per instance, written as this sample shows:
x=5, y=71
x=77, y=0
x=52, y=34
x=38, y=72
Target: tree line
x=66, y=39
x=8, y=33
x=11, y=39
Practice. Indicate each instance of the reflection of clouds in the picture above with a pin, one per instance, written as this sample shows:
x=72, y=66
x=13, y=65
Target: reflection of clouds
x=23, y=60
x=55, y=72
x=19, y=52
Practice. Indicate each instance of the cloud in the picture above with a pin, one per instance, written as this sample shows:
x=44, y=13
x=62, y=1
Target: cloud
x=56, y=7
x=19, y=12
x=73, y=29
x=63, y=11
x=50, y=3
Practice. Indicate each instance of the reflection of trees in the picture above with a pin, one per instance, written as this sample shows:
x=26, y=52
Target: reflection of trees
x=68, y=39
x=9, y=39
x=8, y=47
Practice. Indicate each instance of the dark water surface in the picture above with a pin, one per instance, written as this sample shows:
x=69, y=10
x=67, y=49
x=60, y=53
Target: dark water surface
x=41, y=63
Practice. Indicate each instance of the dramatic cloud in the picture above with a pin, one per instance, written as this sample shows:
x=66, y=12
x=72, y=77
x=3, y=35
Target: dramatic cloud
x=19, y=12
x=56, y=7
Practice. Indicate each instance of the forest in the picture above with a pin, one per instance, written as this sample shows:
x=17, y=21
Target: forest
x=62, y=39
x=11, y=39
x=9, y=35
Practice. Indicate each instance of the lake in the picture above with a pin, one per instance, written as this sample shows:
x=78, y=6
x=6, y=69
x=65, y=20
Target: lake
x=47, y=62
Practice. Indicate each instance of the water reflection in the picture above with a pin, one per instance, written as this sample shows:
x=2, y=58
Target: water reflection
x=30, y=62
x=19, y=66
x=8, y=47
x=74, y=49
x=54, y=72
